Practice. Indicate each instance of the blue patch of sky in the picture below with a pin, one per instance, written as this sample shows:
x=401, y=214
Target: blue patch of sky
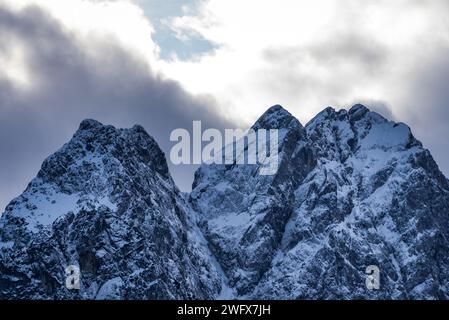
x=159, y=11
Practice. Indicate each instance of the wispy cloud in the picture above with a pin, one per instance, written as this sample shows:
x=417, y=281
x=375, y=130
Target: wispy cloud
x=70, y=75
x=63, y=61
x=313, y=53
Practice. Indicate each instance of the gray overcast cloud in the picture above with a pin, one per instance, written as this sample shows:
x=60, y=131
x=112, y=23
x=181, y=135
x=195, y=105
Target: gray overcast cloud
x=118, y=88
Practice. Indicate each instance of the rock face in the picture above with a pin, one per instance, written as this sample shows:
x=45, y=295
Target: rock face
x=352, y=189
x=245, y=213
x=106, y=203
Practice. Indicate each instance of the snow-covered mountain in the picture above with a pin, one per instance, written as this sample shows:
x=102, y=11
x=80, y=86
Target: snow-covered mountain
x=376, y=197
x=105, y=202
x=244, y=213
x=352, y=189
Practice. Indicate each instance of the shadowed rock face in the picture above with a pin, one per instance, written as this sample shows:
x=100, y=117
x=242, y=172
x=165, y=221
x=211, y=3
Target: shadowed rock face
x=352, y=189
x=105, y=202
x=244, y=212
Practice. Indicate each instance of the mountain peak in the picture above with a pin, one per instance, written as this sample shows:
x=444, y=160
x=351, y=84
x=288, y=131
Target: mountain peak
x=348, y=182
x=277, y=108
x=358, y=110
x=95, y=143
x=321, y=116
x=87, y=124
x=276, y=117
x=105, y=203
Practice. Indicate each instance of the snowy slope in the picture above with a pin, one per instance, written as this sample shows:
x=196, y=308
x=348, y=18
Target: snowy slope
x=105, y=202
x=352, y=189
x=244, y=213
x=369, y=194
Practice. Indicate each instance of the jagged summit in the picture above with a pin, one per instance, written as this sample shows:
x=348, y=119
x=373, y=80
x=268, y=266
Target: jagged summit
x=95, y=125
x=358, y=108
x=352, y=189
x=87, y=124
x=104, y=202
x=356, y=112
x=276, y=117
x=357, y=190
x=102, y=144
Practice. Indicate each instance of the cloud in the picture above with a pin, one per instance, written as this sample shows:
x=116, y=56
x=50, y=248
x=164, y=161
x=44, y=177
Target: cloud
x=427, y=105
x=307, y=54
x=69, y=75
x=63, y=61
x=310, y=54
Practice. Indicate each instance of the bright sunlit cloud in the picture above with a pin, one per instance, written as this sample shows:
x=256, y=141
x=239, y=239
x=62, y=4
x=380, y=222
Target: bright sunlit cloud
x=14, y=67
x=121, y=20
x=309, y=54
x=302, y=54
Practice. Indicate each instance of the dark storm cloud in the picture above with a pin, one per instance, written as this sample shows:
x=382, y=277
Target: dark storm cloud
x=427, y=106
x=69, y=85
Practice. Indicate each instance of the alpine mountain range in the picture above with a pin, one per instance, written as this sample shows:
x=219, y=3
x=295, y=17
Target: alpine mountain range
x=352, y=189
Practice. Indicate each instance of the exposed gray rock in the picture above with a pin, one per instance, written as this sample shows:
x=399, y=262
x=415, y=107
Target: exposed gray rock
x=245, y=213
x=352, y=189
x=105, y=202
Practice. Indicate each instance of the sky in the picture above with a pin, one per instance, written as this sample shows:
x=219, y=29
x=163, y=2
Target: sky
x=165, y=63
